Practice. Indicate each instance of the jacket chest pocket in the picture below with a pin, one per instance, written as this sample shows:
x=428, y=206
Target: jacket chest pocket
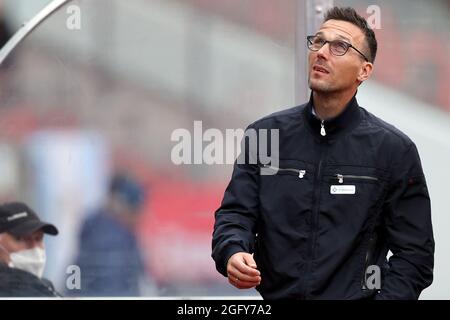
x=297, y=172
x=286, y=192
x=353, y=191
x=355, y=178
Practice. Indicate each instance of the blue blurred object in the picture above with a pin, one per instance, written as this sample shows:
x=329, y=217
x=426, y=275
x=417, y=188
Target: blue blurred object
x=109, y=258
x=109, y=253
x=127, y=189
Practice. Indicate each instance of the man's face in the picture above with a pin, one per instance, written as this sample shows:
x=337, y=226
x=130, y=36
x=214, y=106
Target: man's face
x=341, y=72
x=12, y=243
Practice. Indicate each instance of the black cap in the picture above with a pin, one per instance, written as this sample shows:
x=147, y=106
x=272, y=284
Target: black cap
x=20, y=220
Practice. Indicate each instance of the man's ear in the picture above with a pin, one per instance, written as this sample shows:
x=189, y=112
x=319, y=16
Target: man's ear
x=365, y=72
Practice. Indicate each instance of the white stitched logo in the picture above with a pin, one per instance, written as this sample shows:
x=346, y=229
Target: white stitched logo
x=342, y=189
x=17, y=216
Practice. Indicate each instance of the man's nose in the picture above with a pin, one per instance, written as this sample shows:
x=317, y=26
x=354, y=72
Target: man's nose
x=324, y=52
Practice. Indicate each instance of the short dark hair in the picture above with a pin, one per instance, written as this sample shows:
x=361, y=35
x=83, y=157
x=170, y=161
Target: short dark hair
x=350, y=15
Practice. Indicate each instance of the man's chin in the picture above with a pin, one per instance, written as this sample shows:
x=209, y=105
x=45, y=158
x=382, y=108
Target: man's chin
x=320, y=87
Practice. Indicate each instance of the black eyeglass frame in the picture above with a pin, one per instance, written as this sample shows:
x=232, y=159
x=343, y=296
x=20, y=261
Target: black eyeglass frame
x=347, y=45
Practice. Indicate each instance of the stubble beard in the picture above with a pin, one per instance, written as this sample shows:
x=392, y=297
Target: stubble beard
x=321, y=86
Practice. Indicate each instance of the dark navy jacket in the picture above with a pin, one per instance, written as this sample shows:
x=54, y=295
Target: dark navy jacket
x=15, y=283
x=336, y=205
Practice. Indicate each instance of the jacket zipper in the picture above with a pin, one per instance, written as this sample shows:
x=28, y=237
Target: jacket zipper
x=301, y=173
x=323, y=133
x=341, y=178
x=313, y=226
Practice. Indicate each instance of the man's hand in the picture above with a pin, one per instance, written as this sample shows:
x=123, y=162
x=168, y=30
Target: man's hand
x=242, y=271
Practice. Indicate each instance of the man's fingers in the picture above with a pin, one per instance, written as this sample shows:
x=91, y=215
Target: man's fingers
x=248, y=259
x=245, y=269
x=234, y=274
x=242, y=284
x=242, y=272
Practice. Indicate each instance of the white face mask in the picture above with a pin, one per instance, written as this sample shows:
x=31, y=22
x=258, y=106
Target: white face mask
x=30, y=260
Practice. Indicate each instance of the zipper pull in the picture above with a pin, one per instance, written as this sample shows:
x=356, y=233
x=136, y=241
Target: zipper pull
x=301, y=174
x=340, y=178
x=322, y=129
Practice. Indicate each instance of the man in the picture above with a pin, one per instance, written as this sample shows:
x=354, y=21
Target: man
x=109, y=255
x=349, y=187
x=22, y=252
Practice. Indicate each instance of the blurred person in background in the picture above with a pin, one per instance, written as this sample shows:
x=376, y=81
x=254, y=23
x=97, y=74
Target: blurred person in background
x=22, y=252
x=349, y=188
x=109, y=255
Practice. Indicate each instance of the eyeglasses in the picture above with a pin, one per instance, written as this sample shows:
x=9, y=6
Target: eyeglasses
x=337, y=47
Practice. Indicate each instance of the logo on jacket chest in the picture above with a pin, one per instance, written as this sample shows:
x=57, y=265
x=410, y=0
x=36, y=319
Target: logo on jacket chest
x=342, y=189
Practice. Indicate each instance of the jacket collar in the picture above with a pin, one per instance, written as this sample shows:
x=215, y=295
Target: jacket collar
x=346, y=120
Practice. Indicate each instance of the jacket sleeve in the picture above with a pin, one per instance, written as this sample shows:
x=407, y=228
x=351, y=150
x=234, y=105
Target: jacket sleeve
x=235, y=219
x=407, y=215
